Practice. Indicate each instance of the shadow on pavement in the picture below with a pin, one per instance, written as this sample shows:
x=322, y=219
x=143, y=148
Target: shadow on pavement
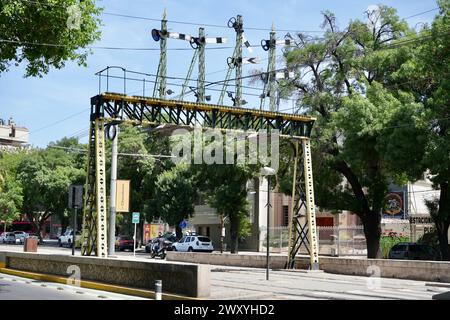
x=442, y=296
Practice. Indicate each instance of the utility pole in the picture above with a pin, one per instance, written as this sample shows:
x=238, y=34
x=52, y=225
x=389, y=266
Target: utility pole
x=112, y=195
x=74, y=230
x=222, y=235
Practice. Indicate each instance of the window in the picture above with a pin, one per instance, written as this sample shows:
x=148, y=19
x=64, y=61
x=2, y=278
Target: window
x=285, y=216
x=204, y=239
x=188, y=239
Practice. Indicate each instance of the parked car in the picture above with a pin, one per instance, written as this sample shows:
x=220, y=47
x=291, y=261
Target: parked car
x=20, y=236
x=10, y=237
x=124, y=242
x=413, y=251
x=67, y=238
x=194, y=243
x=3, y=237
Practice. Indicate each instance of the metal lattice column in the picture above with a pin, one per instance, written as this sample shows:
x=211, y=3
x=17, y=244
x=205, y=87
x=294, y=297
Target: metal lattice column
x=201, y=66
x=271, y=71
x=310, y=205
x=161, y=80
x=100, y=186
x=302, y=228
x=88, y=227
x=239, y=32
x=94, y=217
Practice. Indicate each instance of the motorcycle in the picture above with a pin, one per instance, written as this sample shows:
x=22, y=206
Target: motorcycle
x=159, y=251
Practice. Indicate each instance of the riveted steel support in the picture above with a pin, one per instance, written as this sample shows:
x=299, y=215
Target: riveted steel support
x=94, y=217
x=310, y=205
x=88, y=226
x=293, y=235
x=239, y=32
x=271, y=71
x=161, y=80
x=100, y=186
x=301, y=232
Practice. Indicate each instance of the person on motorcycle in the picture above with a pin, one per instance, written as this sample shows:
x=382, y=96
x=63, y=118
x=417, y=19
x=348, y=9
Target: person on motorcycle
x=159, y=243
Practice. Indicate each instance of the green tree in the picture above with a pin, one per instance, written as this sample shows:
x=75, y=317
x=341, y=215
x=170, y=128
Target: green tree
x=46, y=33
x=338, y=80
x=134, y=164
x=427, y=76
x=176, y=195
x=45, y=176
x=225, y=185
x=10, y=190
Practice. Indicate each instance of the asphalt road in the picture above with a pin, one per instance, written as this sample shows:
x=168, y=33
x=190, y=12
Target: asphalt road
x=17, y=288
x=250, y=283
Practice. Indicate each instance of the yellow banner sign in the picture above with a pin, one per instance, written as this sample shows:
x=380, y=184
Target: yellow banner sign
x=123, y=196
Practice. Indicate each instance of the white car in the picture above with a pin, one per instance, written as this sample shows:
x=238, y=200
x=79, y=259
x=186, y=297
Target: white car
x=67, y=238
x=20, y=236
x=194, y=243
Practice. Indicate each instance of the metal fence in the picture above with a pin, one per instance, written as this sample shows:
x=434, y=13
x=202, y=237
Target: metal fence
x=334, y=241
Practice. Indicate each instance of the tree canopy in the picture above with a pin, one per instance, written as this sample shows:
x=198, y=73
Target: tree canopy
x=44, y=34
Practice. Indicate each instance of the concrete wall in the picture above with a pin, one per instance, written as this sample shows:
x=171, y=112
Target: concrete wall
x=191, y=280
x=228, y=259
x=401, y=269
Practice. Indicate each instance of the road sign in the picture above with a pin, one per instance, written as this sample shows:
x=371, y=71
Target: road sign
x=135, y=220
x=135, y=217
x=183, y=224
x=75, y=197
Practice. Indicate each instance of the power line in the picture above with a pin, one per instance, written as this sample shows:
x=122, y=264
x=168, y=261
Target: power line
x=103, y=47
x=178, y=22
x=209, y=25
x=421, y=13
x=79, y=150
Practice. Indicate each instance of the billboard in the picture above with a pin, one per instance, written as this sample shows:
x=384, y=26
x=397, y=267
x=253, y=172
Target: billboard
x=122, y=196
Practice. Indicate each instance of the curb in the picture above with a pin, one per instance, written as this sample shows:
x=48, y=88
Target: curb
x=440, y=285
x=93, y=285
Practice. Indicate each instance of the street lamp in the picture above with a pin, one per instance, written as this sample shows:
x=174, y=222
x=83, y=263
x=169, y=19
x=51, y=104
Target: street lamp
x=267, y=171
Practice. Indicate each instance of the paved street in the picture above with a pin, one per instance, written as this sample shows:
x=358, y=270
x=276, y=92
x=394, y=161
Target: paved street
x=17, y=288
x=250, y=283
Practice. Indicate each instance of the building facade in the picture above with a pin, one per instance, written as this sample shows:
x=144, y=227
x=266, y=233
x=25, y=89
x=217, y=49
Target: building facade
x=12, y=136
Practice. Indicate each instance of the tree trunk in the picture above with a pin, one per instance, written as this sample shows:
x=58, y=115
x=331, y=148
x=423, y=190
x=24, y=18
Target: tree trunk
x=178, y=231
x=442, y=227
x=442, y=232
x=234, y=233
x=371, y=220
x=372, y=231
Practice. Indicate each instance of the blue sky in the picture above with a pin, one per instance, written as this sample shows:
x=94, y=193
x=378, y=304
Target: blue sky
x=57, y=105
